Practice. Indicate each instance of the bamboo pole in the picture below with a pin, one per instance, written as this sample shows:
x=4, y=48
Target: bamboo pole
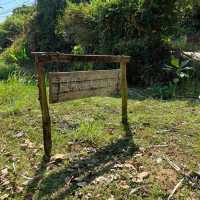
x=46, y=121
x=124, y=92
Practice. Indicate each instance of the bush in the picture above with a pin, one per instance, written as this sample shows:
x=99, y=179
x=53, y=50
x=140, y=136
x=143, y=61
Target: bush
x=14, y=25
x=137, y=28
x=6, y=70
x=17, y=53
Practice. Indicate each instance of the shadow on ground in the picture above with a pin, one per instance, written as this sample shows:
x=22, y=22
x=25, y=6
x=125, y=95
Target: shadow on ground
x=61, y=184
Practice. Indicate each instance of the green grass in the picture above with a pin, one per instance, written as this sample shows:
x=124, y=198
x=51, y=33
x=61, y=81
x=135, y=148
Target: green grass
x=88, y=132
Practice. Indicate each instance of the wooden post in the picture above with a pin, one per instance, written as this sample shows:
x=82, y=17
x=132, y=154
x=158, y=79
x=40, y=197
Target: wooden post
x=46, y=121
x=124, y=92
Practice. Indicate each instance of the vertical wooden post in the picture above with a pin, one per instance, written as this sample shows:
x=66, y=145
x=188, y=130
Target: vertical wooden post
x=46, y=121
x=124, y=92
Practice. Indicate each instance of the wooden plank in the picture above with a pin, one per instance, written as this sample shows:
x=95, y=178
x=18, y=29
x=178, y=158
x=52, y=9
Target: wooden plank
x=74, y=85
x=124, y=92
x=46, y=121
x=47, y=57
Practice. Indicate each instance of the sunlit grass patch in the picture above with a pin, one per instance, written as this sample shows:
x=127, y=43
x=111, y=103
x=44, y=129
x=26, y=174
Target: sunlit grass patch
x=89, y=133
x=15, y=94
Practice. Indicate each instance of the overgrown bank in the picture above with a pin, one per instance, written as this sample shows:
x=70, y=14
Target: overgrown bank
x=145, y=30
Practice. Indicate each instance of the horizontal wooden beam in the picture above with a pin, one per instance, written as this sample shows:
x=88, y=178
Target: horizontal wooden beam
x=46, y=57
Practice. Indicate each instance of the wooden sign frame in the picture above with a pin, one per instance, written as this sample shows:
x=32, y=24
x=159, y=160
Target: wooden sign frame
x=41, y=58
x=66, y=86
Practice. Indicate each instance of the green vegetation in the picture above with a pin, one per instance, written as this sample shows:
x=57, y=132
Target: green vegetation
x=94, y=155
x=96, y=160
x=149, y=31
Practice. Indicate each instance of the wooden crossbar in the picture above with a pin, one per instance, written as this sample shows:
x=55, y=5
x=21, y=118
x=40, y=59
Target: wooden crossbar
x=47, y=57
x=42, y=58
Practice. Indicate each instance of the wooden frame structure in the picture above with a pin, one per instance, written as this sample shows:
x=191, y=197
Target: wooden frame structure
x=42, y=58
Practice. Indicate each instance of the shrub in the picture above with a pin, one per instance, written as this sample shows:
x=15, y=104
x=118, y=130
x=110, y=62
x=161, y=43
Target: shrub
x=17, y=53
x=138, y=28
x=14, y=25
x=6, y=70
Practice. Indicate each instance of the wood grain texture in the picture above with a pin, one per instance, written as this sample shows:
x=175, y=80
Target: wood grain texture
x=47, y=57
x=124, y=92
x=65, y=86
x=46, y=120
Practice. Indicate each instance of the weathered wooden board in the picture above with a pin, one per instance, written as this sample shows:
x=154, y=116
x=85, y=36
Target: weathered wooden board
x=46, y=57
x=65, y=86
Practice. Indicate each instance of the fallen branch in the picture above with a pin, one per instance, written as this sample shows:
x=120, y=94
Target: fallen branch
x=192, y=178
x=176, y=188
x=159, y=145
x=173, y=165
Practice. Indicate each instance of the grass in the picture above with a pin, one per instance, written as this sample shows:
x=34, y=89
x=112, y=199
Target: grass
x=99, y=162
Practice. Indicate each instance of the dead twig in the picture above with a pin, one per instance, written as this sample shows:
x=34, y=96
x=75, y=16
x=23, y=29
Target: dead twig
x=173, y=165
x=159, y=145
x=176, y=188
x=192, y=178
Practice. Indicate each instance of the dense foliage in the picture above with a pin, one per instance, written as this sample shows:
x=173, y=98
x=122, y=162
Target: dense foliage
x=147, y=30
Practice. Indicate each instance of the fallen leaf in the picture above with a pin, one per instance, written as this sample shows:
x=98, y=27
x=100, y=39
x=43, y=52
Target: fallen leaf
x=28, y=196
x=27, y=144
x=19, y=189
x=90, y=149
x=58, y=157
x=100, y=179
x=111, y=198
x=140, y=177
x=25, y=183
x=127, y=165
x=5, y=182
x=5, y=196
x=118, y=166
x=138, y=155
x=20, y=134
x=159, y=160
x=4, y=172
x=123, y=184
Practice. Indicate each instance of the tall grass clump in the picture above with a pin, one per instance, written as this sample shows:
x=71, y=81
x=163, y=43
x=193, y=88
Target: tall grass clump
x=91, y=132
x=16, y=93
x=6, y=70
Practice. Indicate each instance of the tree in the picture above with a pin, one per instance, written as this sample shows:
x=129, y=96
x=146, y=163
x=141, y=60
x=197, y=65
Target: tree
x=45, y=38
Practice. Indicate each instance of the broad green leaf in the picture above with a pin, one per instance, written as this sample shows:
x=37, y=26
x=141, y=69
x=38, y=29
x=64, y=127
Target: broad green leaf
x=185, y=63
x=175, y=62
x=187, y=68
x=169, y=68
x=183, y=75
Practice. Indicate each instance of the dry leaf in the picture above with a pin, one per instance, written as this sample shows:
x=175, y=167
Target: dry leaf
x=140, y=177
x=111, y=198
x=58, y=158
x=118, y=166
x=27, y=144
x=159, y=160
x=5, y=182
x=5, y=196
x=28, y=196
x=20, y=134
x=4, y=172
x=19, y=189
x=100, y=179
x=25, y=183
x=127, y=165
x=123, y=184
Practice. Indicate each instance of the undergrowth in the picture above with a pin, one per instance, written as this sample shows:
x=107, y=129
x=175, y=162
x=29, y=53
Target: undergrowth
x=89, y=134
